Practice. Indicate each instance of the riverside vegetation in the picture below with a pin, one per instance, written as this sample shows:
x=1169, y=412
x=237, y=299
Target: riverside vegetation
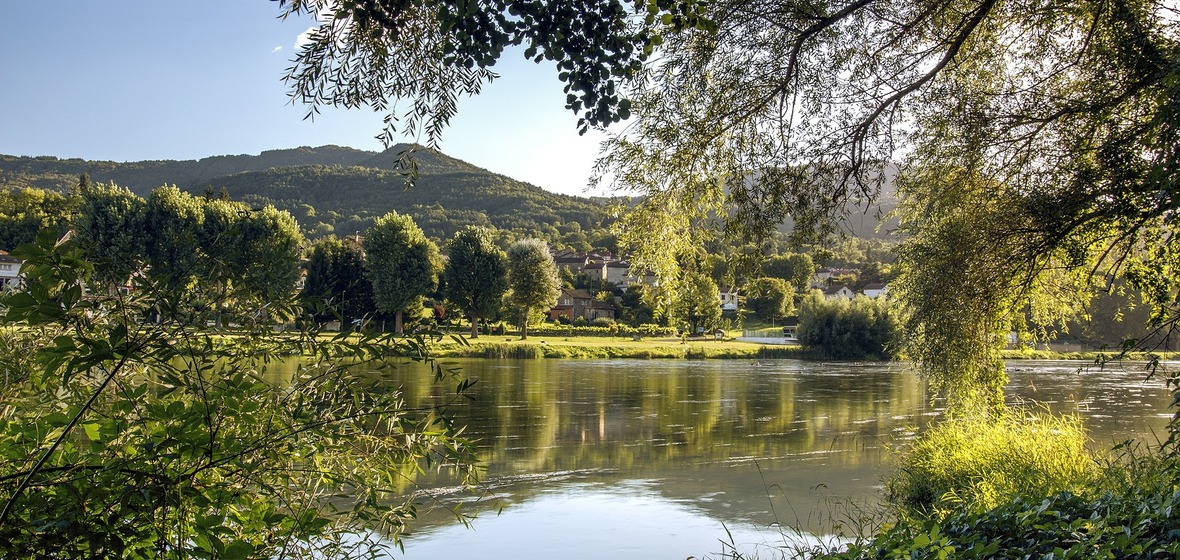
x=119, y=392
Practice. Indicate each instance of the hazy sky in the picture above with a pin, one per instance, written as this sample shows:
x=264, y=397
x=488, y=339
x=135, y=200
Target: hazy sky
x=128, y=80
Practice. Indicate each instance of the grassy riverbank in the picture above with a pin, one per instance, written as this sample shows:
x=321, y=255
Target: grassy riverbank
x=510, y=346
x=603, y=347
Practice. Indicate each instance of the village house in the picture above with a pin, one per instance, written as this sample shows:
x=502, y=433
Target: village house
x=875, y=290
x=595, y=271
x=823, y=276
x=574, y=304
x=9, y=272
x=618, y=272
x=839, y=291
x=729, y=298
x=573, y=262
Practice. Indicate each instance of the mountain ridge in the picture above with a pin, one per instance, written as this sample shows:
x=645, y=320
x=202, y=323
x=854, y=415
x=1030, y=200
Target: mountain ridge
x=334, y=188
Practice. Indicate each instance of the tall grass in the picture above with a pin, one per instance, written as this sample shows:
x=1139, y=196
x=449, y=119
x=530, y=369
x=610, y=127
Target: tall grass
x=502, y=350
x=977, y=464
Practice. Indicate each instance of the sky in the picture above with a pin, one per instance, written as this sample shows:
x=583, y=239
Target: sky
x=132, y=80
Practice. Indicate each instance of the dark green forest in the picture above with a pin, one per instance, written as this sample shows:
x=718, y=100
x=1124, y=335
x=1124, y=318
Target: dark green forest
x=335, y=190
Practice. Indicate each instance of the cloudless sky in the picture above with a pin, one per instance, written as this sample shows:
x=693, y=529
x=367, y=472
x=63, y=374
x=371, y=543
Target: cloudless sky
x=131, y=80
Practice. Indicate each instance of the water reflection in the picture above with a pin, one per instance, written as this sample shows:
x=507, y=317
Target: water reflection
x=623, y=458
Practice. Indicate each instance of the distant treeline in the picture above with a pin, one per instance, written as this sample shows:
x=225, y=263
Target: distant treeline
x=334, y=190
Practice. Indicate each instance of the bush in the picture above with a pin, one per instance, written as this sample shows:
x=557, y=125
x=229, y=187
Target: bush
x=969, y=464
x=1132, y=511
x=848, y=330
x=128, y=439
x=621, y=330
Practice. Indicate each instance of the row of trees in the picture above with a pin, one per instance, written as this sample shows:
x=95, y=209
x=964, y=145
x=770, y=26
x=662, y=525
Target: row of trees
x=393, y=266
x=211, y=256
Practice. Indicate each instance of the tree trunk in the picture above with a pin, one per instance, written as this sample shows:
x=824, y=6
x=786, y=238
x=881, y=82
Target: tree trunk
x=398, y=325
x=474, y=326
x=524, y=324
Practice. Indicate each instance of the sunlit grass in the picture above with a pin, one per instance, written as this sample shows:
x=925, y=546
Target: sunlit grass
x=978, y=464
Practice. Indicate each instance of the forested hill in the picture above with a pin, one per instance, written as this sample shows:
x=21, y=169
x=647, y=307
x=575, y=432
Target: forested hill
x=52, y=173
x=332, y=189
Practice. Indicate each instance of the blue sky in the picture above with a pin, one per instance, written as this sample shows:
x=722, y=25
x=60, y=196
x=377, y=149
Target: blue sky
x=127, y=80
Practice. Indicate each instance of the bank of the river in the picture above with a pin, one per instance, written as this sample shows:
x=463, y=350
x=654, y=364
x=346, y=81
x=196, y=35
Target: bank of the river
x=603, y=347
x=593, y=347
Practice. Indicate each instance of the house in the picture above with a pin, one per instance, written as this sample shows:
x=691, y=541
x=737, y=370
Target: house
x=618, y=272
x=875, y=290
x=729, y=298
x=9, y=272
x=824, y=275
x=595, y=271
x=839, y=291
x=573, y=304
x=575, y=263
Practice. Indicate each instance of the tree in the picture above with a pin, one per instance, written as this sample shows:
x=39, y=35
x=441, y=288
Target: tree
x=475, y=275
x=25, y=212
x=633, y=308
x=448, y=48
x=111, y=230
x=131, y=440
x=265, y=255
x=795, y=268
x=336, y=286
x=402, y=264
x=848, y=330
x=755, y=111
x=697, y=303
x=771, y=299
x=532, y=279
x=175, y=236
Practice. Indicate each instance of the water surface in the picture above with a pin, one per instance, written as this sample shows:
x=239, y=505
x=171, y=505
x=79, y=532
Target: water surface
x=668, y=459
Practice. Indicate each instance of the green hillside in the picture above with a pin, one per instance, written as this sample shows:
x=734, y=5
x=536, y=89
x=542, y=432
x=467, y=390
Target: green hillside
x=331, y=189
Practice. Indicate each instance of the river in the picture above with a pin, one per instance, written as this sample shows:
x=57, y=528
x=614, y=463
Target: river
x=669, y=459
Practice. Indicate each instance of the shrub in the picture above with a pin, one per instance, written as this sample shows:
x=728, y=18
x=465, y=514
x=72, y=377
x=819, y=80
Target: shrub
x=848, y=330
x=1132, y=512
x=128, y=439
x=975, y=464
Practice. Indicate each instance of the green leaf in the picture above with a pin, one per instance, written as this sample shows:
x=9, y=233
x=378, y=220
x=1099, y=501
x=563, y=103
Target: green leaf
x=238, y=550
x=92, y=431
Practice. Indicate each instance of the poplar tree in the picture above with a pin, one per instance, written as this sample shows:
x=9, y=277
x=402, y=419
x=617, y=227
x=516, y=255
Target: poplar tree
x=476, y=274
x=401, y=263
x=533, y=279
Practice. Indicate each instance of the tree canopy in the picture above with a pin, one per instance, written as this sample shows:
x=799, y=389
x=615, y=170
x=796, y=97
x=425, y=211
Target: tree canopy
x=402, y=264
x=532, y=279
x=750, y=112
x=476, y=274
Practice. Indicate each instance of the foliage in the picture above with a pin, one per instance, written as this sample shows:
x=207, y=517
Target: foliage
x=336, y=287
x=848, y=329
x=111, y=227
x=771, y=299
x=633, y=307
x=476, y=275
x=976, y=464
x=401, y=263
x=175, y=222
x=967, y=287
x=361, y=53
x=794, y=268
x=132, y=439
x=697, y=305
x=532, y=279
x=1131, y=512
x=25, y=212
